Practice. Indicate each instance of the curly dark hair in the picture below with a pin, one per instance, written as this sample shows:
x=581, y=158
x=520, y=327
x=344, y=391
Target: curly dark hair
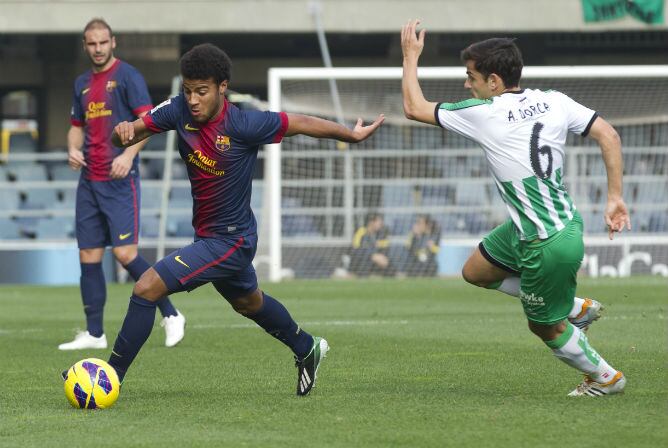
x=206, y=61
x=498, y=55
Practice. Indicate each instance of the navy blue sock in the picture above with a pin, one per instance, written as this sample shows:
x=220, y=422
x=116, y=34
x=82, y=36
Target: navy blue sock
x=135, y=331
x=94, y=295
x=136, y=268
x=276, y=321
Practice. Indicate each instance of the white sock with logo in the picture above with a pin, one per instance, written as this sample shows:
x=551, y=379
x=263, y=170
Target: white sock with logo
x=573, y=348
x=511, y=286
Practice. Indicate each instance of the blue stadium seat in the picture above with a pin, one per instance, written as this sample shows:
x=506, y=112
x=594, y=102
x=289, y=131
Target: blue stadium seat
x=54, y=228
x=181, y=197
x=437, y=195
x=257, y=196
x=9, y=229
x=9, y=199
x=22, y=142
x=157, y=142
x=64, y=172
x=151, y=197
x=41, y=197
x=149, y=226
x=398, y=196
x=658, y=221
x=471, y=194
x=299, y=225
x=399, y=224
x=27, y=171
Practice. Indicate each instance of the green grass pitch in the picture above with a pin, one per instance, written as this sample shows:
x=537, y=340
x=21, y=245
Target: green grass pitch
x=414, y=363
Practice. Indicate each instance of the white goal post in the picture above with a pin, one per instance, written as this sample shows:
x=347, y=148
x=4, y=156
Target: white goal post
x=633, y=98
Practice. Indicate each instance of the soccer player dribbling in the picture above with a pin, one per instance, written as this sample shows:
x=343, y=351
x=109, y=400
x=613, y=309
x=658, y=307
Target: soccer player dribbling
x=108, y=194
x=536, y=254
x=219, y=144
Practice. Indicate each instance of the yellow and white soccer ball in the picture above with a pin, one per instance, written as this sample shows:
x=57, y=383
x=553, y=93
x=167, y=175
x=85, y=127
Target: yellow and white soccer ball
x=92, y=384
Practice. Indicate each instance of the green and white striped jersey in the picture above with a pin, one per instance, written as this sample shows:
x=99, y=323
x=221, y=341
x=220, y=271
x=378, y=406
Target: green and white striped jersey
x=523, y=135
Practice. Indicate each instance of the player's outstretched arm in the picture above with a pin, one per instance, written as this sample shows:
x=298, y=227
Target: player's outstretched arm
x=130, y=133
x=616, y=214
x=320, y=128
x=416, y=107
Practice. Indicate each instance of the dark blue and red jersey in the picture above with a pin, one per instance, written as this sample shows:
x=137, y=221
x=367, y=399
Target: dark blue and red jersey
x=100, y=102
x=220, y=156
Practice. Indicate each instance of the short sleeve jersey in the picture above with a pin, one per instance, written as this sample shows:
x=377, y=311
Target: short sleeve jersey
x=101, y=101
x=220, y=157
x=523, y=135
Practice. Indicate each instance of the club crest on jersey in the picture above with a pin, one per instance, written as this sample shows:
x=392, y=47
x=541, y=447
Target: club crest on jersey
x=222, y=143
x=111, y=85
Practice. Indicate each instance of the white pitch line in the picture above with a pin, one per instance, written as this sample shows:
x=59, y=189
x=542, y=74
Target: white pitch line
x=326, y=323
x=352, y=323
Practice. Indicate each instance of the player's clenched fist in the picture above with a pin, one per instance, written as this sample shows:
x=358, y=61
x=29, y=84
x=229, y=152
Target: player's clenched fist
x=125, y=131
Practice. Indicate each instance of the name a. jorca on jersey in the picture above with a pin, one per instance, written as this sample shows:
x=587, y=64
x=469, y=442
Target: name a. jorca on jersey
x=523, y=113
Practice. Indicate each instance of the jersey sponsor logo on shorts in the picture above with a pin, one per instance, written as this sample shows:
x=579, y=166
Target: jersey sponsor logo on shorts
x=124, y=236
x=222, y=143
x=531, y=299
x=178, y=259
x=188, y=127
x=111, y=85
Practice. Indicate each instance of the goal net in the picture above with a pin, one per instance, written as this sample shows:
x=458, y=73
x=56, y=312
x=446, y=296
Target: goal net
x=315, y=194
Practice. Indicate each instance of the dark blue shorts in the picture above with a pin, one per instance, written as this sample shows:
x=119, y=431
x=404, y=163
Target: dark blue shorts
x=225, y=262
x=107, y=213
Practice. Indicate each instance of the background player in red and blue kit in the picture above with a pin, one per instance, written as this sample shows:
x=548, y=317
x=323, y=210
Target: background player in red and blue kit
x=219, y=145
x=108, y=195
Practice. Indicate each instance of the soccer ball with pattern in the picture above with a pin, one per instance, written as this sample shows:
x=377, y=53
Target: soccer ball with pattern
x=92, y=384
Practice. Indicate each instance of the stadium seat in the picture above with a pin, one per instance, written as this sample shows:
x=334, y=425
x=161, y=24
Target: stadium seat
x=41, y=197
x=151, y=197
x=149, y=226
x=399, y=224
x=69, y=198
x=257, y=196
x=437, y=195
x=398, y=196
x=181, y=197
x=27, y=171
x=54, y=228
x=658, y=222
x=651, y=193
x=64, y=172
x=471, y=194
x=9, y=199
x=9, y=229
x=299, y=225
x=157, y=142
x=22, y=142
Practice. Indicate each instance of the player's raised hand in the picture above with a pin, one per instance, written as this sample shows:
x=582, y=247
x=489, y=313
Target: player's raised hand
x=125, y=131
x=361, y=132
x=412, y=43
x=616, y=216
x=75, y=159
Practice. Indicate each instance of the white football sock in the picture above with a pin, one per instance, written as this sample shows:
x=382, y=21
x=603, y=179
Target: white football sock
x=573, y=348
